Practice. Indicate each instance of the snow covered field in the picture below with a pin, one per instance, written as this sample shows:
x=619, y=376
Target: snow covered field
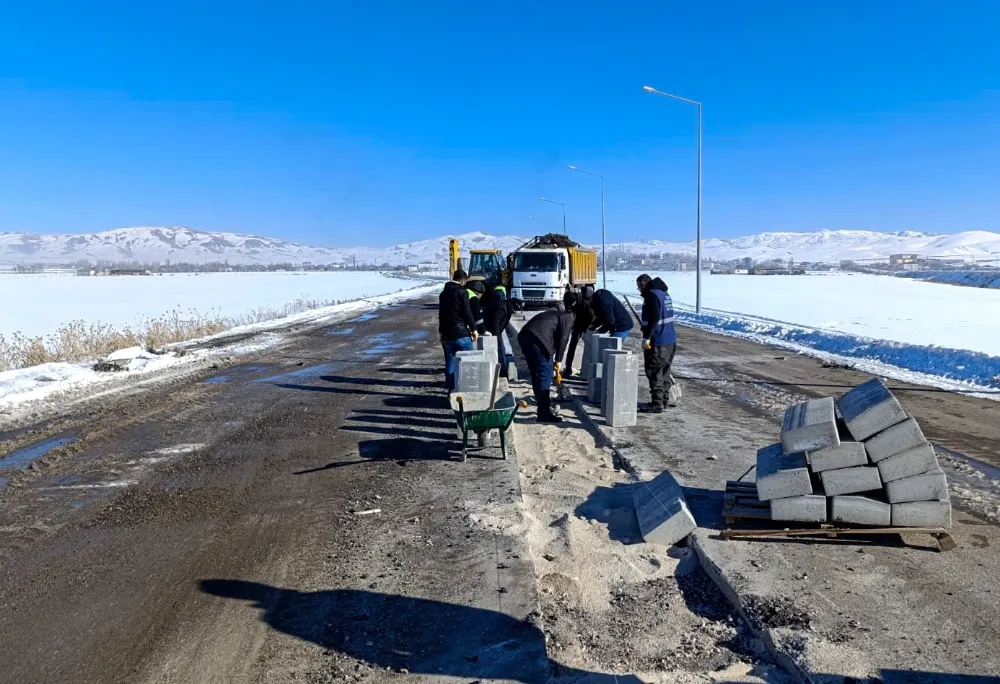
x=927, y=328
x=40, y=304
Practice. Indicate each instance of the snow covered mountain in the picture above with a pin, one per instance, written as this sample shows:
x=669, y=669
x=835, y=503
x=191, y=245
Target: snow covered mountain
x=184, y=245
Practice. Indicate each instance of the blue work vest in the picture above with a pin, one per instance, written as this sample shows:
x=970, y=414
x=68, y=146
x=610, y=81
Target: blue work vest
x=663, y=330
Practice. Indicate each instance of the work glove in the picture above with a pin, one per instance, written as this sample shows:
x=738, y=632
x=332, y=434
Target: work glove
x=558, y=373
x=474, y=336
x=647, y=345
x=487, y=334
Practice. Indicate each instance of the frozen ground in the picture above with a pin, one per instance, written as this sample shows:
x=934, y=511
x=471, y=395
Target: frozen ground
x=921, y=327
x=40, y=304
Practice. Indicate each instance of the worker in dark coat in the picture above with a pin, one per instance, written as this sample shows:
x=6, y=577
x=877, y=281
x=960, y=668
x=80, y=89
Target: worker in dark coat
x=456, y=325
x=611, y=316
x=543, y=340
x=659, y=340
x=582, y=322
x=475, y=291
x=497, y=316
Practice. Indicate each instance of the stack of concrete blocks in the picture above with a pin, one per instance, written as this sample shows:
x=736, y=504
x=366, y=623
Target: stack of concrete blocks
x=914, y=486
x=870, y=467
x=594, y=352
x=620, y=387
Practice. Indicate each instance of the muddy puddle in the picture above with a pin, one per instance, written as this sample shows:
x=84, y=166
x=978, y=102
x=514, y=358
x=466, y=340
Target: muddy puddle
x=336, y=332
x=299, y=374
x=239, y=373
x=23, y=457
x=370, y=316
x=383, y=343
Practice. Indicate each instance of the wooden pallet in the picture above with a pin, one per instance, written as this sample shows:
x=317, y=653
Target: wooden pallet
x=741, y=503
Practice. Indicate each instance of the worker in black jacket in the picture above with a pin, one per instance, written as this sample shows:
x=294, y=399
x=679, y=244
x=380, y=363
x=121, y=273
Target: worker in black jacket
x=582, y=322
x=543, y=340
x=497, y=315
x=476, y=289
x=455, y=323
x=611, y=316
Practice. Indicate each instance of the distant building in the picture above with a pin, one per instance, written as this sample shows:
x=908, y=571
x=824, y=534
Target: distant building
x=903, y=259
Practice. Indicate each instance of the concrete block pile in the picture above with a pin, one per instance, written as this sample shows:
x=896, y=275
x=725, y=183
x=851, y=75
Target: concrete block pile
x=859, y=460
x=612, y=376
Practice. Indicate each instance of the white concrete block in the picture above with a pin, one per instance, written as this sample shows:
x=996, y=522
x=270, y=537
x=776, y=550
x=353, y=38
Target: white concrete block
x=850, y=480
x=932, y=486
x=922, y=514
x=488, y=344
x=914, y=461
x=807, y=508
x=594, y=383
x=844, y=455
x=809, y=426
x=474, y=374
x=860, y=510
x=869, y=409
x=604, y=361
x=895, y=440
x=664, y=517
x=590, y=355
x=621, y=388
x=781, y=475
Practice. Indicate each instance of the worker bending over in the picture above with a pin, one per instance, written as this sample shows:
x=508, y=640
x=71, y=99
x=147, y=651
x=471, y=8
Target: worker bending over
x=456, y=325
x=610, y=315
x=659, y=340
x=542, y=341
x=581, y=323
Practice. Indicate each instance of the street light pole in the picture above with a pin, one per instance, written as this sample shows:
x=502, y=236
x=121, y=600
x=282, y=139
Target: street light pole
x=697, y=296
x=604, y=260
x=563, y=210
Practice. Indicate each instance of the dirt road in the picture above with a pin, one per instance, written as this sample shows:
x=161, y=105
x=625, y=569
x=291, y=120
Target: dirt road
x=302, y=516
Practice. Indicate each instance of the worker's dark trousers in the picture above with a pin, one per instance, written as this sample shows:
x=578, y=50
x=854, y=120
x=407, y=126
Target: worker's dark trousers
x=540, y=367
x=574, y=340
x=657, y=364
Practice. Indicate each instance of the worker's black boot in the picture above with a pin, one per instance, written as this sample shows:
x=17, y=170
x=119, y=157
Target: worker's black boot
x=651, y=408
x=545, y=414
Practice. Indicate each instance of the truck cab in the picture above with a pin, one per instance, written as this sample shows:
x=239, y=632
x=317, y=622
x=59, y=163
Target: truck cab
x=540, y=276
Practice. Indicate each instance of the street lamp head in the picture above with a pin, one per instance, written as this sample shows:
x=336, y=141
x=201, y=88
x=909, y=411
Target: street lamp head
x=649, y=89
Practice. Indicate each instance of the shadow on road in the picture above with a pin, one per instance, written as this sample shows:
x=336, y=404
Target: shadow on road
x=418, y=635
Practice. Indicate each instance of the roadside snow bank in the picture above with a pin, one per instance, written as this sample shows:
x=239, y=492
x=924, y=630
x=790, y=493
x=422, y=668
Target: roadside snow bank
x=988, y=279
x=975, y=368
x=44, y=382
x=954, y=369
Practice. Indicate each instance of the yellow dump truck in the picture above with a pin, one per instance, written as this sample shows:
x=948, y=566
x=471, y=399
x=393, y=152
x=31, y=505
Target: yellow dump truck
x=547, y=267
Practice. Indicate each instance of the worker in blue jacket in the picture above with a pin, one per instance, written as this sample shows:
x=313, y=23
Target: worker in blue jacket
x=610, y=315
x=659, y=340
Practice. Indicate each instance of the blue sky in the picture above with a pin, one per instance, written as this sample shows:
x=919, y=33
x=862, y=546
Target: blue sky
x=377, y=122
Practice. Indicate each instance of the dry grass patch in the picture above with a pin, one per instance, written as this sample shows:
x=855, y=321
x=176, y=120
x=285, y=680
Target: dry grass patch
x=81, y=341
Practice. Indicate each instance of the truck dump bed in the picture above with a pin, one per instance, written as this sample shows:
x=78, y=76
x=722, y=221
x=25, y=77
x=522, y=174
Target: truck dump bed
x=582, y=266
